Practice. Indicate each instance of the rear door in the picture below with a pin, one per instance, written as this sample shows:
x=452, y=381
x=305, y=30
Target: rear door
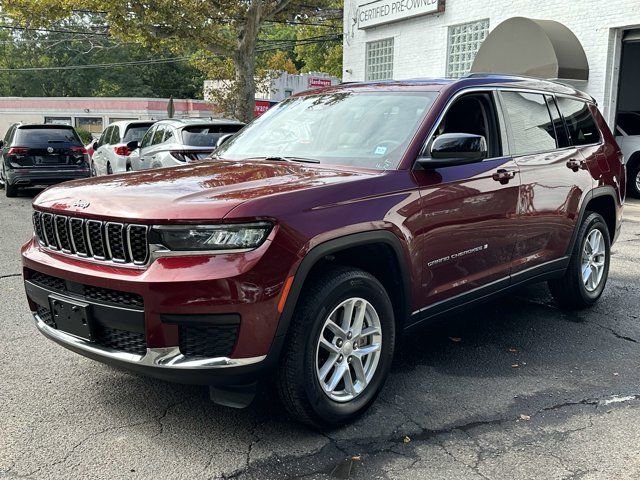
x=554, y=180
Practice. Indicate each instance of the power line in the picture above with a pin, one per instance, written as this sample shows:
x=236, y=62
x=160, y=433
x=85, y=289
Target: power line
x=50, y=30
x=98, y=65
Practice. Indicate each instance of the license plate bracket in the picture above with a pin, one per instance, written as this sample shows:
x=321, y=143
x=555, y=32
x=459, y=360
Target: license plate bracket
x=71, y=316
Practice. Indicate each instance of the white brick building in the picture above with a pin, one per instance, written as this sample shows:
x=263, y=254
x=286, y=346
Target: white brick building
x=404, y=39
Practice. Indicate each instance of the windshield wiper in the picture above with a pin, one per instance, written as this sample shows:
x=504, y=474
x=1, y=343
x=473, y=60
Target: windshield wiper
x=285, y=159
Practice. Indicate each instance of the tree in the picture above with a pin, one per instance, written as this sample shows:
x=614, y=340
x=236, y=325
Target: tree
x=222, y=28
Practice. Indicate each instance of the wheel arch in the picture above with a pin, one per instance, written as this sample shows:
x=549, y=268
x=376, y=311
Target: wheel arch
x=601, y=200
x=340, y=251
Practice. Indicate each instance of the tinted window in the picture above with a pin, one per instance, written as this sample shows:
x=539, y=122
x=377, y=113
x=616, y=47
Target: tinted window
x=104, y=136
x=157, y=136
x=35, y=136
x=368, y=129
x=558, y=125
x=168, y=134
x=580, y=123
x=146, y=140
x=7, y=138
x=115, y=135
x=135, y=132
x=206, y=135
x=531, y=125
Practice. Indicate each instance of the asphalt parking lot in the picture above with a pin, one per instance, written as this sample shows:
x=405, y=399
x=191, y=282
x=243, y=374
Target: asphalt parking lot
x=513, y=389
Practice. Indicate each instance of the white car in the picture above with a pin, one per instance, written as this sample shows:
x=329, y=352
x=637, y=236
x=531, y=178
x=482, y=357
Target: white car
x=628, y=137
x=178, y=141
x=110, y=151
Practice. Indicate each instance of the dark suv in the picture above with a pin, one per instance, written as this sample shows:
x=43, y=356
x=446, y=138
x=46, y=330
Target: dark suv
x=334, y=222
x=35, y=154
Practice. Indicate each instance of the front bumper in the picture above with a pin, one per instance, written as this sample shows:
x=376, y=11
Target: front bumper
x=163, y=363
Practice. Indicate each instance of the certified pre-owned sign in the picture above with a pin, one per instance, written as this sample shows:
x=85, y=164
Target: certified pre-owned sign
x=378, y=12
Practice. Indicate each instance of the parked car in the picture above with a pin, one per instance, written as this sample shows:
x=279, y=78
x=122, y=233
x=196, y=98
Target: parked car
x=111, y=152
x=179, y=141
x=324, y=229
x=628, y=137
x=39, y=155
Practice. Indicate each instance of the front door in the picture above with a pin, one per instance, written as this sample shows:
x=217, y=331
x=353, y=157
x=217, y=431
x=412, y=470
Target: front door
x=469, y=225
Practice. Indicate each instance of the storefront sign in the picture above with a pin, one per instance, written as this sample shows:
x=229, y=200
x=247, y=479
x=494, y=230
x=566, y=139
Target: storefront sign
x=261, y=107
x=319, y=82
x=378, y=12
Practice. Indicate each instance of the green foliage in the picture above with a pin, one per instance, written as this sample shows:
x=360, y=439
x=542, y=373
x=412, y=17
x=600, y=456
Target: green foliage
x=42, y=49
x=85, y=135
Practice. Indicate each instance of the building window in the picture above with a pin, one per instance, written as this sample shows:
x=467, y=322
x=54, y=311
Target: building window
x=380, y=59
x=58, y=120
x=464, y=41
x=91, y=124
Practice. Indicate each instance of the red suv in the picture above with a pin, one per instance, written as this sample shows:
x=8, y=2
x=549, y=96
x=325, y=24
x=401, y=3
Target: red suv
x=325, y=228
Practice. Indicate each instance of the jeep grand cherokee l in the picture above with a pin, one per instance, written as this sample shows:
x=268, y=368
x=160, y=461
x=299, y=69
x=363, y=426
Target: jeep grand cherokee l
x=326, y=227
x=35, y=154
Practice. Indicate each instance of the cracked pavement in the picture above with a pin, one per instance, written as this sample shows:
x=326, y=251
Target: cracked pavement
x=529, y=391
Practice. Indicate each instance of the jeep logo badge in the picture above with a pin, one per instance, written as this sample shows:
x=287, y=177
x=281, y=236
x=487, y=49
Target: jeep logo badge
x=81, y=204
x=50, y=149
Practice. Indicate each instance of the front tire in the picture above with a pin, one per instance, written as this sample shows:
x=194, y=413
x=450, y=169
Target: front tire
x=588, y=270
x=339, y=348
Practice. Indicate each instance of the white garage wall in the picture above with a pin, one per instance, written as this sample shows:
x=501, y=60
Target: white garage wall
x=420, y=44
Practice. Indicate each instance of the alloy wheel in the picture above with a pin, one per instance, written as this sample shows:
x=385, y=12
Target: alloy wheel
x=593, y=260
x=348, y=349
x=637, y=181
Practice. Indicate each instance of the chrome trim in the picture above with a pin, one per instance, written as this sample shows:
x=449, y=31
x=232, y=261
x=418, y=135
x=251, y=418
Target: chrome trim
x=169, y=357
x=88, y=238
x=146, y=236
x=50, y=244
x=66, y=226
x=108, y=243
x=73, y=242
x=157, y=250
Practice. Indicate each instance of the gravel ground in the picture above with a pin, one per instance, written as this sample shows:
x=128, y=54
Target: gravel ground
x=527, y=391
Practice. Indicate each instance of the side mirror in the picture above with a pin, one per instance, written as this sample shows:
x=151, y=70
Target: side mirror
x=451, y=149
x=223, y=139
x=133, y=145
x=95, y=146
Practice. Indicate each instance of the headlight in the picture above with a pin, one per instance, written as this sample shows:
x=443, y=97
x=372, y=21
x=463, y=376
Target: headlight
x=211, y=237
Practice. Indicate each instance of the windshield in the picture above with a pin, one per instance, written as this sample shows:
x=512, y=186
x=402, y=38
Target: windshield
x=135, y=132
x=364, y=129
x=206, y=135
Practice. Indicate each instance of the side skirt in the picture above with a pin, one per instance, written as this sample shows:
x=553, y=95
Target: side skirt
x=540, y=273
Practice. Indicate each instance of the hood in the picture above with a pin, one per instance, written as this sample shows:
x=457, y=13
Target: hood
x=204, y=191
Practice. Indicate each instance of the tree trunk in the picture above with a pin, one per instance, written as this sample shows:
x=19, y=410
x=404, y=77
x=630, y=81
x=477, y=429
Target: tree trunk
x=244, y=61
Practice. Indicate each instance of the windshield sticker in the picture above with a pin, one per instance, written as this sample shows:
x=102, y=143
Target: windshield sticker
x=453, y=256
x=380, y=150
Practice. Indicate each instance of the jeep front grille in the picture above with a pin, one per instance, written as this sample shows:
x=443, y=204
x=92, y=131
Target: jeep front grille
x=106, y=241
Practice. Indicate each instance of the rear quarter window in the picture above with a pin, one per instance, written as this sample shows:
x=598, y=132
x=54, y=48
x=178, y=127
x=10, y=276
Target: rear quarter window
x=39, y=136
x=581, y=125
x=206, y=135
x=532, y=128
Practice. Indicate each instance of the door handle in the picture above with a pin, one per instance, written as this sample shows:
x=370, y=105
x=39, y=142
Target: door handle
x=503, y=176
x=576, y=165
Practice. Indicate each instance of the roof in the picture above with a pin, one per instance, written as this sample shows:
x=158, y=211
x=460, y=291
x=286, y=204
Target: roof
x=472, y=80
x=183, y=122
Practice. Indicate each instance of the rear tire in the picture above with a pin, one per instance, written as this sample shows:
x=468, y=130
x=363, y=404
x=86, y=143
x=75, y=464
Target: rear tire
x=586, y=276
x=633, y=180
x=320, y=350
x=109, y=169
x=10, y=190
